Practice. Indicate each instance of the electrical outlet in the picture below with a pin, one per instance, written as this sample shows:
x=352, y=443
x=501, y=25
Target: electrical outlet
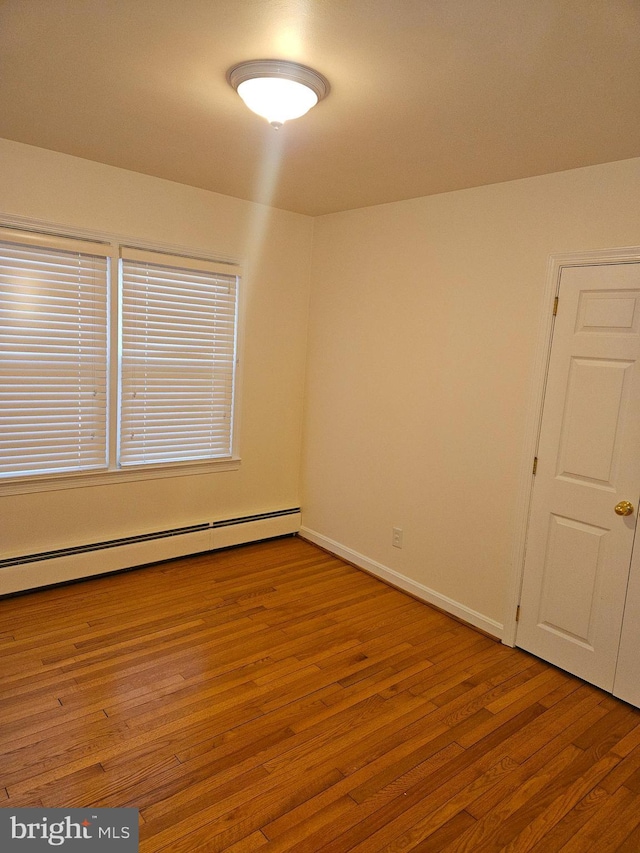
x=396, y=537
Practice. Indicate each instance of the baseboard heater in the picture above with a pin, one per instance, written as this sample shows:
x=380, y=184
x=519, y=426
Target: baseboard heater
x=64, y=564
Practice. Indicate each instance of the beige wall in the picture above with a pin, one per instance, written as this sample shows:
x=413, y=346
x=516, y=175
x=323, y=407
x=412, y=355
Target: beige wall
x=275, y=247
x=424, y=321
x=423, y=327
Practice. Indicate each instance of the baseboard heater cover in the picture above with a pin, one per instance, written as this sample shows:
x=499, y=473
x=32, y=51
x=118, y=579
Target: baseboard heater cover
x=81, y=561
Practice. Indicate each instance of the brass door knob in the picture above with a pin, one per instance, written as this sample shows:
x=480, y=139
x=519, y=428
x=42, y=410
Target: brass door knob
x=624, y=508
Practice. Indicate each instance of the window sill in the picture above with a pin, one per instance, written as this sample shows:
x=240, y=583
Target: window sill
x=60, y=482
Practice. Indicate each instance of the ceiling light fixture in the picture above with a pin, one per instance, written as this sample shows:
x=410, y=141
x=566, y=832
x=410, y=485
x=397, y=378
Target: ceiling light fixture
x=277, y=89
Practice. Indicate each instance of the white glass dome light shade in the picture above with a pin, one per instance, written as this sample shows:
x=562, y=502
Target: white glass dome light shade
x=277, y=99
x=277, y=89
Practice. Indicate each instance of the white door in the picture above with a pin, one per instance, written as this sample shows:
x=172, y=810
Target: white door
x=627, y=681
x=579, y=549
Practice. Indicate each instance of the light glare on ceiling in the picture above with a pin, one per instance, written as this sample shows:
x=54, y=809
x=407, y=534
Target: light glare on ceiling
x=278, y=90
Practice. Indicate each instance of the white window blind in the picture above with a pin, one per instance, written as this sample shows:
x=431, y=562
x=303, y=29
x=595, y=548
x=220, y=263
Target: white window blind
x=177, y=359
x=53, y=355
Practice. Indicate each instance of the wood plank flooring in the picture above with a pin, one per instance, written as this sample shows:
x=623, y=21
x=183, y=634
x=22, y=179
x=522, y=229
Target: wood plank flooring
x=273, y=698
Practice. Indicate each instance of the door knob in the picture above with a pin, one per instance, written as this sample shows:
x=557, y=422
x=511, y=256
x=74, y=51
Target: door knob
x=624, y=508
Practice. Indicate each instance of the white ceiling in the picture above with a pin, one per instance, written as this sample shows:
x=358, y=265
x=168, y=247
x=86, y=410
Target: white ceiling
x=427, y=95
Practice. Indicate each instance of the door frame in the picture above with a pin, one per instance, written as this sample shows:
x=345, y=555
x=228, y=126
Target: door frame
x=555, y=265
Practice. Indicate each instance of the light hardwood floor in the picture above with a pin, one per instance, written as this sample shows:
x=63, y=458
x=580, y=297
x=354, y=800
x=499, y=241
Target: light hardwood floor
x=273, y=698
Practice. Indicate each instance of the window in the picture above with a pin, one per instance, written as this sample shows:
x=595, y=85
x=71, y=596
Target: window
x=53, y=367
x=177, y=360
x=112, y=358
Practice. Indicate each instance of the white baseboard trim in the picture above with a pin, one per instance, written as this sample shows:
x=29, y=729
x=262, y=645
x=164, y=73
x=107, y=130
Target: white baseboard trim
x=39, y=570
x=418, y=590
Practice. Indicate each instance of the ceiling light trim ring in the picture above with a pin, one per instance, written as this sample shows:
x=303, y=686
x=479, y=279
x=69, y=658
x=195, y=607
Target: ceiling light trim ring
x=279, y=68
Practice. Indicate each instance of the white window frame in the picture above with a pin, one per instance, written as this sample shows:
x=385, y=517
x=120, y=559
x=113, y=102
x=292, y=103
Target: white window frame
x=112, y=244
